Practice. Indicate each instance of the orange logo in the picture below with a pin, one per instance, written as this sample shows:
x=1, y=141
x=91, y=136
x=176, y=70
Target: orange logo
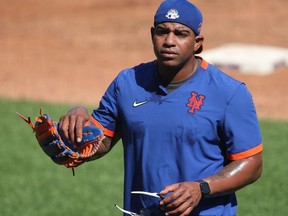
x=195, y=102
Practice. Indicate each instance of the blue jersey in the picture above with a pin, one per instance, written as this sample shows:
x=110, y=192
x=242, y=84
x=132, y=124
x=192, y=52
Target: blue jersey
x=185, y=135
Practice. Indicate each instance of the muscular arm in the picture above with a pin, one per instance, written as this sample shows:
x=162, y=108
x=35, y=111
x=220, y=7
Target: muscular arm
x=186, y=195
x=107, y=144
x=71, y=125
x=236, y=175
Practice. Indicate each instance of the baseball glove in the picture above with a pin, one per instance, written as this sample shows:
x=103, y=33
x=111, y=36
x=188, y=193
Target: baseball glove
x=60, y=150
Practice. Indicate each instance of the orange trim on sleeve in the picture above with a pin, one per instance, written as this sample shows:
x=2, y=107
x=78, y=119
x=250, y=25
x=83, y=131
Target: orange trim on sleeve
x=245, y=154
x=96, y=123
x=107, y=132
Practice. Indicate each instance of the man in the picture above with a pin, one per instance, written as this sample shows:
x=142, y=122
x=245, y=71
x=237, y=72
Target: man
x=189, y=131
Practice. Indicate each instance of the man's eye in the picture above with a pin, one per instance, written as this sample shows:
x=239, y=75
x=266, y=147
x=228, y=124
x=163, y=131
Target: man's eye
x=181, y=33
x=161, y=31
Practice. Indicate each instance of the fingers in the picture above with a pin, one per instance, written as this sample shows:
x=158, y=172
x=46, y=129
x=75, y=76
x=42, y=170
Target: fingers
x=182, y=198
x=78, y=133
x=63, y=127
x=71, y=124
x=168, y=189
x=178, y=204
x=70, y=127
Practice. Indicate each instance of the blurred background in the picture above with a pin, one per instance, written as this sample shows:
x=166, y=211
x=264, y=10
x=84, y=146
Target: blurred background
x=69, y=51
x=56, y=54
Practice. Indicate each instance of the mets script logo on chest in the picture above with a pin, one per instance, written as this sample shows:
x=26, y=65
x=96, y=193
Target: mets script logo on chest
x=195, y=102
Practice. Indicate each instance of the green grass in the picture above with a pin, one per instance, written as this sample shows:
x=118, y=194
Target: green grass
x=32, y=185
x=268, y=196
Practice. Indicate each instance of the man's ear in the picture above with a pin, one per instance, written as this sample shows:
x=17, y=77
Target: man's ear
x=198, y=44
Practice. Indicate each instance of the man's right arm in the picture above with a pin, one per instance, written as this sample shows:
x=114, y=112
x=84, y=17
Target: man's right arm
x=71, y=125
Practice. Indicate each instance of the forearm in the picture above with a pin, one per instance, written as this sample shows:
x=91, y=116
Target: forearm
x=236, y=175
x=105, y=147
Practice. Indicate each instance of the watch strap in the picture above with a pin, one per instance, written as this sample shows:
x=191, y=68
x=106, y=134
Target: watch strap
x=204, y=187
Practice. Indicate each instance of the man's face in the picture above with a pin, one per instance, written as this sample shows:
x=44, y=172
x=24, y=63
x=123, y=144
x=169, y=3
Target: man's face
x=174, y=44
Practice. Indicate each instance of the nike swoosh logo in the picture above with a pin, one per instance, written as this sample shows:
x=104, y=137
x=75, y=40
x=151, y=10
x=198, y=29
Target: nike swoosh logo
x=136, y=104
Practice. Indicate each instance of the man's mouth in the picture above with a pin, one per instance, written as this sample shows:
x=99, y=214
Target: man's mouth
x=168, y=54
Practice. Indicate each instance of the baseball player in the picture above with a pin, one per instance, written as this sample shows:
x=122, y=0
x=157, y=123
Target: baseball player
x=190, y=133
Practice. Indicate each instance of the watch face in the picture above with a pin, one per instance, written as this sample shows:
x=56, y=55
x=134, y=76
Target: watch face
x=205, y=188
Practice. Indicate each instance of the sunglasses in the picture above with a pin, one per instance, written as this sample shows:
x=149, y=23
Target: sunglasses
x=157, y=195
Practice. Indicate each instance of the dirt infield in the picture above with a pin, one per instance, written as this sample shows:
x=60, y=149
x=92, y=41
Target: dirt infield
x=69, y=51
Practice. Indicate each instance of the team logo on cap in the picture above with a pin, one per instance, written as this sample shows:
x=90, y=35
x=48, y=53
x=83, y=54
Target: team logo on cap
x=172, y=14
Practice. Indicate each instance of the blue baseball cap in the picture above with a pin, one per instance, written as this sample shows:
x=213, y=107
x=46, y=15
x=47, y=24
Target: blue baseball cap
x=179, y=11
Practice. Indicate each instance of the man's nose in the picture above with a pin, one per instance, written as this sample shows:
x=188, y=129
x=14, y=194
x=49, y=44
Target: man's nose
x=170, y=39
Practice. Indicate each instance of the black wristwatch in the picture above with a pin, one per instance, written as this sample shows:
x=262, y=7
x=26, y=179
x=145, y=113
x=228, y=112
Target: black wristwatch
x=204, y=187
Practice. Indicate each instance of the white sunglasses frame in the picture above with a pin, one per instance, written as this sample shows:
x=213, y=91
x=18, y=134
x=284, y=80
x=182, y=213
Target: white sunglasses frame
x=138, y=192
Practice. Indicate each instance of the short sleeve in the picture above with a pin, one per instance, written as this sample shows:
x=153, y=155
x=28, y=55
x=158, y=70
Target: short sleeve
x=241, y=127
x=106, y=114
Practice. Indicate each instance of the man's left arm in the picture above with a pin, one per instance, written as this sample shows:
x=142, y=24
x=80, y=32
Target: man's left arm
x=236, y=175
x=185, y=196
x=243, y=142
